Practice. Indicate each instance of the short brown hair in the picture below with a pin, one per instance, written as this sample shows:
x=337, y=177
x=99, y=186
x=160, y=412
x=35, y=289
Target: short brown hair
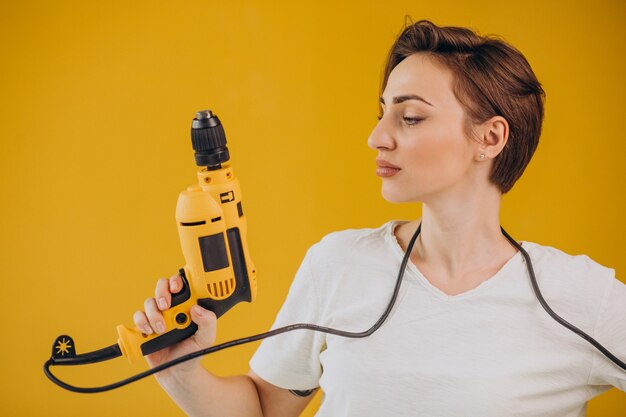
x=491, y=78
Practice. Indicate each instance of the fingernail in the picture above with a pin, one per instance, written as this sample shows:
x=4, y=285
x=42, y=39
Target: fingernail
x=147, y=329
x=162, y=303
x=174, y=286
x=160, y=327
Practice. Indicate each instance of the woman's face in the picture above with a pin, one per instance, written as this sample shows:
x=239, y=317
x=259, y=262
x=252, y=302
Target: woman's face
x=422, y=132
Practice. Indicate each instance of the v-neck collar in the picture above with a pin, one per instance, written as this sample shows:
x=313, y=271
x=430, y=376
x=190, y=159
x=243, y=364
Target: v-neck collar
x=417, y=274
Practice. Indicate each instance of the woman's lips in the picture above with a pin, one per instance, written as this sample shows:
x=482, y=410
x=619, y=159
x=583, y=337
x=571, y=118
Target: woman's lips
x=386, y=169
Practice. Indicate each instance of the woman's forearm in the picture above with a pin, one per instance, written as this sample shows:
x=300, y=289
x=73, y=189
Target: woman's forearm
x=201, y=394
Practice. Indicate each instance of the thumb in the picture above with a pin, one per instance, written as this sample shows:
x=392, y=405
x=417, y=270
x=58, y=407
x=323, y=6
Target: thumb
x=207, y=326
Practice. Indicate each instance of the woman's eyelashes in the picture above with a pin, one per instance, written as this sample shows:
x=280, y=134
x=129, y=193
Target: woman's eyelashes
x=407, y=120
x=411, y=120
x=406, y=115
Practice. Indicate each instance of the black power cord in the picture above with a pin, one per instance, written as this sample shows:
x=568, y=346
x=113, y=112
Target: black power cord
x=113, y=351
x=555, y=316
x=244, y=340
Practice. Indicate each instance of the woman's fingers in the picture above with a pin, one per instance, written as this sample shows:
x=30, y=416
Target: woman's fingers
x=141, y=321
x=155, y=318
x=176, y=284
x=151, y=319
x=162, y=294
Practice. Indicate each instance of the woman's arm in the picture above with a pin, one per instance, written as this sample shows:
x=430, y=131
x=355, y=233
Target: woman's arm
x=278, y=402
x=200, y=393
x=192, y=387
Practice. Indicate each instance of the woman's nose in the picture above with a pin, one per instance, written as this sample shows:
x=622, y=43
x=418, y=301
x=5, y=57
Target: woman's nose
x=381, y=136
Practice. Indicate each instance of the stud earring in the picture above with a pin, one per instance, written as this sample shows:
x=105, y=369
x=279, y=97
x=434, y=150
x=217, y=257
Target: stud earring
x=482, y=156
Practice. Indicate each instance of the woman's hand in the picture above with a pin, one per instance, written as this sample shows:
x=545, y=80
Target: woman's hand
x=151, y=321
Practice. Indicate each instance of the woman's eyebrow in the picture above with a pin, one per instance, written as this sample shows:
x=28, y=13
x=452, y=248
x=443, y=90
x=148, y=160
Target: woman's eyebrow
x=400, y=99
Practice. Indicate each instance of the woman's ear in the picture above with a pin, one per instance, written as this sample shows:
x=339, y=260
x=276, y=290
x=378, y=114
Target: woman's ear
x=494, y=134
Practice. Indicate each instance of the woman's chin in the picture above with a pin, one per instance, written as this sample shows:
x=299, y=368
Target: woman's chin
x=396, y=197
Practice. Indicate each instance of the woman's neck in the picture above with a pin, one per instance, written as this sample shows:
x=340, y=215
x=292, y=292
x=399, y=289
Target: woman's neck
x=458, y=239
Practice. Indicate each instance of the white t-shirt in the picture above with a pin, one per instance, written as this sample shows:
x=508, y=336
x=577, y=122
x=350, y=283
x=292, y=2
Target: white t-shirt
x=491, y=351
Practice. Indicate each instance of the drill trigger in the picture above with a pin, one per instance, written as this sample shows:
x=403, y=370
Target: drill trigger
x=184, y=294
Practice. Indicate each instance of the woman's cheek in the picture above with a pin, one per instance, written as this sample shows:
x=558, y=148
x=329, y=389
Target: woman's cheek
x=439, y=157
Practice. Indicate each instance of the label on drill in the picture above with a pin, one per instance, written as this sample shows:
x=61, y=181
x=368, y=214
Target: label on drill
x=227, y=197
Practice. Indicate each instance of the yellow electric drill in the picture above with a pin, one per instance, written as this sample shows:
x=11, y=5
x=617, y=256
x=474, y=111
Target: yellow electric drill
x=212, y=227
x=218, y=272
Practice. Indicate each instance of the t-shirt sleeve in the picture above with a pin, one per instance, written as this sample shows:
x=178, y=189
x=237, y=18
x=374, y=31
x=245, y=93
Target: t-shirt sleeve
x=610, y=331
x=291, y=360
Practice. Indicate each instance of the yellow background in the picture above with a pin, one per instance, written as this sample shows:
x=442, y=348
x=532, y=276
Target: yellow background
x=96, y=100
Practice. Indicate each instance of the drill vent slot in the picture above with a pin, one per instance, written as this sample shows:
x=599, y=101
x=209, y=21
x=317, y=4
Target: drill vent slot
x=193, y=223
x=221, y=289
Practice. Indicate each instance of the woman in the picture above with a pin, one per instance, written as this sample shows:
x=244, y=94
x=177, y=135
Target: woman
x=461, y=119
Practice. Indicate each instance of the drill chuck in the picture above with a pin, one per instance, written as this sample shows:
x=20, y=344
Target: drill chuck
x=209, y=140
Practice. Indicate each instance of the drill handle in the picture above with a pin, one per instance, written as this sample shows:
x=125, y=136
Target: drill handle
x=168, y=339
x=134, y=343
x=174, y=335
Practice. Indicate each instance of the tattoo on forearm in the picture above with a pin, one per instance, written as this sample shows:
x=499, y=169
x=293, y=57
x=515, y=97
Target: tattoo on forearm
x=302, y=393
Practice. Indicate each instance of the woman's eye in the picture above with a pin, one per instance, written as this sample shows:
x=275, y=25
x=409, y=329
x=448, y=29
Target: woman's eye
x=410, y=121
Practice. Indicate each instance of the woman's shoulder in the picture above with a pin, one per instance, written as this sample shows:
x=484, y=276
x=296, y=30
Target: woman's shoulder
x=354, y=235
x=553, y=258
x=352, y=242
x=567, y=274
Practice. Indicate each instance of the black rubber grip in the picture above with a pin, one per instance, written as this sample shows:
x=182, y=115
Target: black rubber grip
x=213, y=251
x=168, y=339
